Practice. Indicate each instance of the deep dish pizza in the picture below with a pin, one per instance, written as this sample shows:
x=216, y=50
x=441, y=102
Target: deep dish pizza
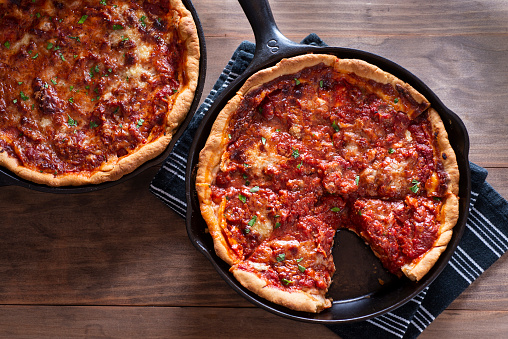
x=313, y=145
x=90, y=90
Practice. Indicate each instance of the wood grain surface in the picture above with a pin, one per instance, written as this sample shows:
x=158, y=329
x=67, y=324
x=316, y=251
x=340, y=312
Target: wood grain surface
x=117, y=263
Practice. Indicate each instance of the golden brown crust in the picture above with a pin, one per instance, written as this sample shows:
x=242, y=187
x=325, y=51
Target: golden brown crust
x=116, y=167
x=297, y=300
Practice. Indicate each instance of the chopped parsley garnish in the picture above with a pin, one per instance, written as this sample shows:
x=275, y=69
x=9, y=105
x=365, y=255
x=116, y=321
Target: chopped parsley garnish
x=357, y=180
x=71, y=122
x=71, y=100
x=297, y=82
x=396, y=100
x=93, y=124
x=286, y=281
x=277, y=224
x=139, y=123
x=117, y=27
x=254, y=189
x=335, y=126
x=301, y=268
x=23, y=96
x=281, y=257
x=20, y=82
x=53, y=81
x=335, y=209
x=242, y=198
x=35, y=56
x=83, y=18
x=299, y=165
x=246, y=230
x=296, y=153
x=103, y=2
x=321, y=83
x=62, y=57
x=142, y=20
x=7, y=44
x=50, y=45
x=416, y=186
x=263, y=140
x=14, y=101
x=253, y=220
x=391, y=150
x=75, y=38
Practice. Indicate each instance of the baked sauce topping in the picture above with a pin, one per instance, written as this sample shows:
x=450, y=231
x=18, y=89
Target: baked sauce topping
x=319, y=150
x=85, y=82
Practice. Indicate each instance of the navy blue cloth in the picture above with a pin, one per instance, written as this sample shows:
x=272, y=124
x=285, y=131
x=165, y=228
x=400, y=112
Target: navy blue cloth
x=485, y=238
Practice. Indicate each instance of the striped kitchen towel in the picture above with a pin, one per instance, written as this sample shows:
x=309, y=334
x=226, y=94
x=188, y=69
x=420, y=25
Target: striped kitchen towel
x=485, y=238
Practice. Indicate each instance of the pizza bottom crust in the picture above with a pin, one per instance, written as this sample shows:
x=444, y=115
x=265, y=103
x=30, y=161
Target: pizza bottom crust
x=297, y=300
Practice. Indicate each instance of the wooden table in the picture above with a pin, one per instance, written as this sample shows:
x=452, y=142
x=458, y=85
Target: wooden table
x=118, y=263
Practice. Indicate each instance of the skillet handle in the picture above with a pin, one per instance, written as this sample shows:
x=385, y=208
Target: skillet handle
x=269, y=40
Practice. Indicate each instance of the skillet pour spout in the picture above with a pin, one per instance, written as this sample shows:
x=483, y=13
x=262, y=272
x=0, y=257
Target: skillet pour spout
x=365, y=302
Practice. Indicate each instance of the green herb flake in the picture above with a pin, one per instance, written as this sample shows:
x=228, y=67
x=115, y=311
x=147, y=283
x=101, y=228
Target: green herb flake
x=263, y=140
x=396, y=100
x=301, y=268
x=14, y=101
x=242, y=198
x=20, y=82
x=142, y=20
x=286, y=281
x=321, y=83
x=416, y=186
x=93, y=124
x=299, y=165
x=254, y=189
x=75, y=38
x=277, y=224
x=35, y=56
x=297, y=82
x=335, y=209
x=83, y=18
x=62, y=57
x=299, y=260
x=53, y=81
x=253, y=220
x=296, y=153
x=140, y=123
x=335, y=126
x=23, y=96
x=103, y=2
x=391, y=150
x=71, y=100
x=246, y=230
x=49, y=46
x=71, y=122
x=281, y=257
x=71, y=88
x=117, y=27
x=7, y=44
x=357, y=180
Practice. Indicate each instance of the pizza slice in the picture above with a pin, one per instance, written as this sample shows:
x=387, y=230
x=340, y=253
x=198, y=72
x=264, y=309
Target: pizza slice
x=407, y=235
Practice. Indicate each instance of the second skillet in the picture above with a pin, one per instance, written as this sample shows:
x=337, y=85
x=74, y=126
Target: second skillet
x=353, y=299
x=8, y=178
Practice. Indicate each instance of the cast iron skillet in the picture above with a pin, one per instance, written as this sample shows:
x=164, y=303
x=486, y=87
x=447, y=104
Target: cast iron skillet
x=361, y=288
x=9, y=178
